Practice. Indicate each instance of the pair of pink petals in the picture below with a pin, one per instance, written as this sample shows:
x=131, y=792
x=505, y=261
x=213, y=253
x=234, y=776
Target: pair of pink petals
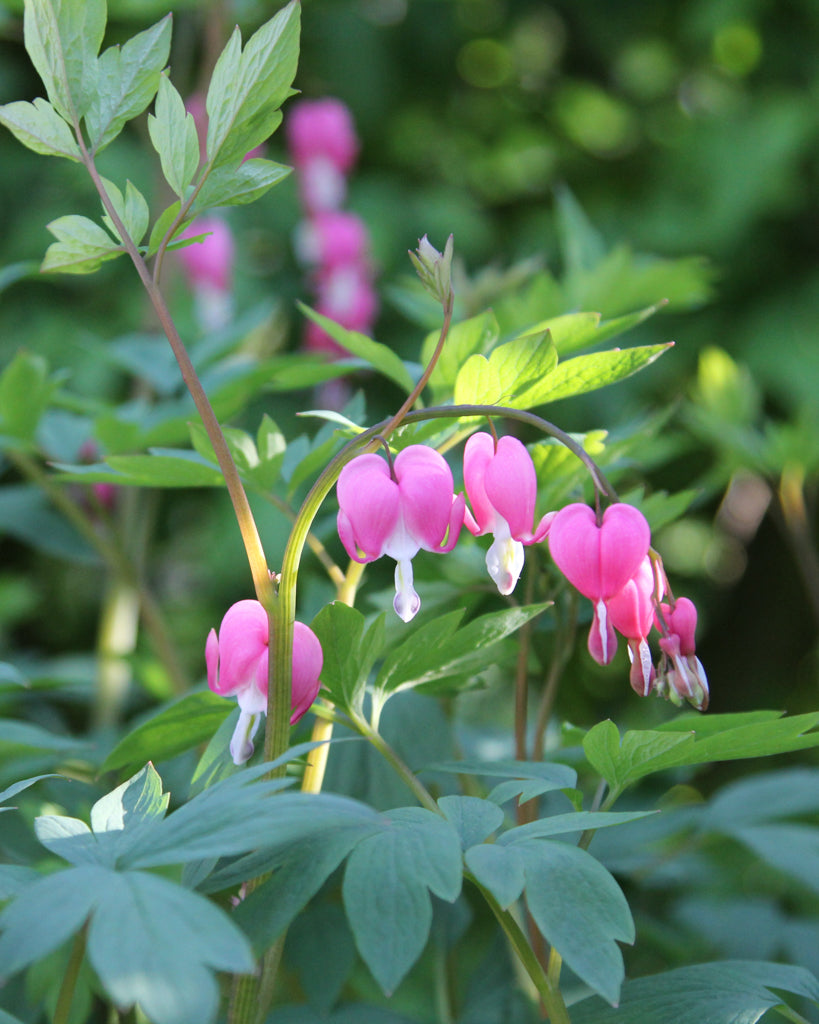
x=397, y=512
x=237, y=663
x=501, y=483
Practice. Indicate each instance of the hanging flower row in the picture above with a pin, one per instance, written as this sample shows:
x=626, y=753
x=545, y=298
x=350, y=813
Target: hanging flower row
x=398, y=507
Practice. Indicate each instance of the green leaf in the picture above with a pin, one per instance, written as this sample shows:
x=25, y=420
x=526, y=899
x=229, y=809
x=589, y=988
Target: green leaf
x=561, y=824
x=39, y=127
x=580, y=910
x=248, y=87
x=728, y=992
x=25, y=392
x=163, y=467
x=793, y=849
x=350, y=651
x=81, y=246
x=378, y=356
x=693, y=740
x=511, y=372
x=46, y=914
x=155, y=944
x=25, y=513
x=571, y=331
x=24, y=738
x=243, y=813
x=162, y=226
x=438, y=649
x=62, y=38
x=127, y=81
x=174, y=137
x=184, y=724
x=586, y=373
x=229, y=186
x=18, y=787
x=500, y=869
x=132, y=210
x=298, y=876
x=557, y=776
x=386, y=889
x=13, y=879
x=474, y=819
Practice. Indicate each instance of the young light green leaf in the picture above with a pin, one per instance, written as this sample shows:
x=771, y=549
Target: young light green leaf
x=580, y=910
x=248, y=87
x=174, y=137
x=387, y=882
x=127, y=81
x=132, y=210
x=229, y=186
x=728, y=992
x=81, y=246
x=377, y=355
x=139, y=799
x=588, y=373
x=39, y=127
x=62, y=38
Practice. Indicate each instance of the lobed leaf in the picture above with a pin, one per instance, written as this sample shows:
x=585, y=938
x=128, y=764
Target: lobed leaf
x=173, y=134
x=81, y=246
x=155, y=944
x=39, y=127
x=62, y=38
x=248, y=87
x=729, y=992
x=580, y=910
x=132, y=210
x=127, y=80
x=386, y=887
x=230, y=186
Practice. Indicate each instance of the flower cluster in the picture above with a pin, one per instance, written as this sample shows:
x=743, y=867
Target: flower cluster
x=397, y=508
x=333, y=242
x=237, y=662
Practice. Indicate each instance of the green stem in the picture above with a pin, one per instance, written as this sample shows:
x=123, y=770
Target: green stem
x=69, y=982
x=548, y=991
x=244, y=516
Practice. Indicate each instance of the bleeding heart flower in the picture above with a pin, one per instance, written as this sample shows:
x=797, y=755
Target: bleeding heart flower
x=501, y=485
x=398, y=510
x=599, y=559
x=237, y=661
